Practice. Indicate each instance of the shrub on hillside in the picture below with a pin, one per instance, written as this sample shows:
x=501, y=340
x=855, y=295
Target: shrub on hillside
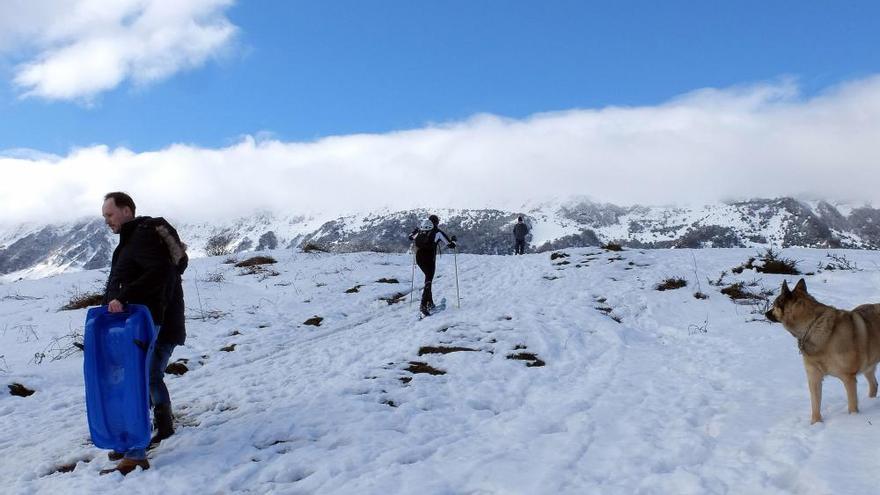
x=311, y=247
x=80, y=300
x=769, y=262
x=839, y=262
x=219, y=245
x=256, y=260
x=671, y=283
x=772, y=262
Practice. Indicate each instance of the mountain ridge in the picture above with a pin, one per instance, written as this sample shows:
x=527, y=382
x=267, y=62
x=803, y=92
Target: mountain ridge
x=33, y=251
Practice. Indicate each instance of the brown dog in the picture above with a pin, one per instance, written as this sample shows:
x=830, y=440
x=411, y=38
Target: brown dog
x=832, y=341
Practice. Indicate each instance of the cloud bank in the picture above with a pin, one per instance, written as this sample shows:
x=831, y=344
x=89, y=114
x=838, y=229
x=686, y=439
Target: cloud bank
x=709, y=145
x=80, y=48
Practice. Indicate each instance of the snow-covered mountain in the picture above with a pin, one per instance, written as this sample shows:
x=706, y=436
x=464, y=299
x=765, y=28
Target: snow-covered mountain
x=32, y=251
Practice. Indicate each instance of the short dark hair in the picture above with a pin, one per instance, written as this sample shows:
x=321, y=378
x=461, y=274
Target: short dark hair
x=519, y=218
x=434, y=219
x=121, y=200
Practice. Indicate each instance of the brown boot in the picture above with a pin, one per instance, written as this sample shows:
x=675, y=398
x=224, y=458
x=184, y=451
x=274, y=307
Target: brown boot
x=115, y=456
x=127, y=465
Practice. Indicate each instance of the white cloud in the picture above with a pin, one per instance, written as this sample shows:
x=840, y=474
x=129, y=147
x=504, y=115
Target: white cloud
x=29, y=154
x=77, y=49
x=760, y=141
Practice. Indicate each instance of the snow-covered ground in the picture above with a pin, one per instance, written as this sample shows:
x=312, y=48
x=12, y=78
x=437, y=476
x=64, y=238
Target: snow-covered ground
x=680, y=396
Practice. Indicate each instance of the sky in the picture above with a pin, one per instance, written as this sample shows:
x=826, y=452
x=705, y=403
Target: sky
x=348, y=105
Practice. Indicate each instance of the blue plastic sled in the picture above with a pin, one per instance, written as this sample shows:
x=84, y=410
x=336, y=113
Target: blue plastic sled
x=117, y=350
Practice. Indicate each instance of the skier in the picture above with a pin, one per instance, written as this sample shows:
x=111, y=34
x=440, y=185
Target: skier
x=520, y=231
x=426, y=239
x=146, y=269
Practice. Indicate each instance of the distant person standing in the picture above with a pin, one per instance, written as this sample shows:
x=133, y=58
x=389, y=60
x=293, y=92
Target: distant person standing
x=520, y=231
x=146, y=269
x=426, y=239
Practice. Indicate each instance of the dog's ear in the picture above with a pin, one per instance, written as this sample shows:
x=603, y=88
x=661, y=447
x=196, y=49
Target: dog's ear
x=801, y=286
x=785, y=290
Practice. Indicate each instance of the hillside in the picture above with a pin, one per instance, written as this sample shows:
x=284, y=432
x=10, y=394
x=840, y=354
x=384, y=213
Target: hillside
x=620, y=388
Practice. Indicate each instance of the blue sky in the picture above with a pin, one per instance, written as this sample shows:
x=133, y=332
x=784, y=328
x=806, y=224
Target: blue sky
x=303, y=70
x=342, y=106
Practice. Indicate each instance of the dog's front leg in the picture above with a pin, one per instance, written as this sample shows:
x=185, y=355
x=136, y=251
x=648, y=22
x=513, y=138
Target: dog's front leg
x=814, y=380
x=852, y=398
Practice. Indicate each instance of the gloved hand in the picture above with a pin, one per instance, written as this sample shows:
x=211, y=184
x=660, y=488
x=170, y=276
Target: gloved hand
x=451, y=245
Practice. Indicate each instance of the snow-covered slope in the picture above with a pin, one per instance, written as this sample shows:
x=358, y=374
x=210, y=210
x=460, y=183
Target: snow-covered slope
x=640, y=391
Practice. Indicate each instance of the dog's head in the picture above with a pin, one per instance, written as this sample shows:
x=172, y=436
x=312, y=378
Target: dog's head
x=785, y=299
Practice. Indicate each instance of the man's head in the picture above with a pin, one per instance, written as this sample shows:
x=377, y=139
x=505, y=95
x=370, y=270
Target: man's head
x=118, y=208
x=519, y=219
x=434, y=219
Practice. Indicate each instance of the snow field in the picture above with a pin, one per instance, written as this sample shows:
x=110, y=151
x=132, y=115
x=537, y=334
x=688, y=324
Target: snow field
x=680, y=396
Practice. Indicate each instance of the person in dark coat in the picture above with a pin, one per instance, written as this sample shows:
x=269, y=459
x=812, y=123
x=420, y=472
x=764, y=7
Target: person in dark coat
x=146, y=269
x=520, y=231
x=426, y=239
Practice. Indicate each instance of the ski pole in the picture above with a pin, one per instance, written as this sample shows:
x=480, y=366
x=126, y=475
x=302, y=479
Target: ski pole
x=457, y=293
x=412, y=279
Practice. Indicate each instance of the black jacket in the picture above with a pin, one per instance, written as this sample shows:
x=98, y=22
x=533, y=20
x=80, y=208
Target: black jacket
x=142, y=272
x=520, y=230
x=436, y=239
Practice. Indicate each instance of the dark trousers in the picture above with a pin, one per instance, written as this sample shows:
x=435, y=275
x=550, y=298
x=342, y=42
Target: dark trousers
x=520, y=247
x=428, y=265
x=158, y=390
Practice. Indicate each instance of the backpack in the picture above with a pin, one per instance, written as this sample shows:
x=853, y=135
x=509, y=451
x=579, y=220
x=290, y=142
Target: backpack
x=425, y=238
